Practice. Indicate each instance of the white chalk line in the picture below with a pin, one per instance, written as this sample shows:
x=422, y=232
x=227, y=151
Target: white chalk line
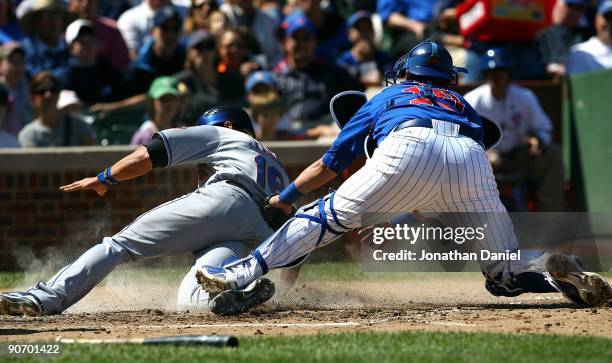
x=452, y=323
x=247, y=325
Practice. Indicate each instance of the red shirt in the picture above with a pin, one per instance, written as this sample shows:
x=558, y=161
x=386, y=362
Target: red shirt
x=111, y=44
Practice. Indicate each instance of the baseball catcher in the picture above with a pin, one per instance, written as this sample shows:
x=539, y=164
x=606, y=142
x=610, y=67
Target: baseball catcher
x=430, y=158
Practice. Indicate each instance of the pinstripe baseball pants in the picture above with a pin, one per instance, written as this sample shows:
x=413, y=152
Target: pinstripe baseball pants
x=436, y=172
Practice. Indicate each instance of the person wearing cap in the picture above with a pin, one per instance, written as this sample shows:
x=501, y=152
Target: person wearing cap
x=44, y=22
x=12, y=75
x=526, y=148
x=164, y=94
x=363, y=61
x=137, y=23
x=92, y=78
x=198, y=15
x=52, y=127
x=267, y=108
x=329, y=27
x=7, y=140
x=596, y=53
x=308, y=84
x=162, y=55
x=110, y=41
x=199, y=75
x=555, y=41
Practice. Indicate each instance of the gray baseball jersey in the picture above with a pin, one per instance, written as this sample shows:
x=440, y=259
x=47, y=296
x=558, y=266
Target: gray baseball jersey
x=226, y=154
x=220, y=220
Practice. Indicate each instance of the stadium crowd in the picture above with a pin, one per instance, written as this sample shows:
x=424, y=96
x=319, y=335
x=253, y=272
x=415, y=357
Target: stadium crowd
x=70, y=69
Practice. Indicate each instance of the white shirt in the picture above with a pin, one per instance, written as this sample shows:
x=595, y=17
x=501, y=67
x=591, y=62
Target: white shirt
x=589, y=56
x=8, y=140
x=518, y=115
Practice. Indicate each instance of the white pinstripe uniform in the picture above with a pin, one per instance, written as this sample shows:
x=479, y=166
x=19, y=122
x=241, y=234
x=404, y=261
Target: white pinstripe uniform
x=435, y=171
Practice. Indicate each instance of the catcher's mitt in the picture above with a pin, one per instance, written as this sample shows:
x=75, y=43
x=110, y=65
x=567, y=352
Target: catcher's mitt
x=274, y=216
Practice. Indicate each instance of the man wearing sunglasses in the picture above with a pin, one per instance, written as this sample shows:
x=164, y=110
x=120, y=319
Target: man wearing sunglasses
x=162, y=55
x=52, y=127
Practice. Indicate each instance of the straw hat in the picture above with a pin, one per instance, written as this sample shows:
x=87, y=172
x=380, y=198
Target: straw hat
x=36, y=7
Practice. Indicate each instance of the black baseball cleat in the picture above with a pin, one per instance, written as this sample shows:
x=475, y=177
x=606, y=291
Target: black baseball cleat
x=20, y=303
x=232, y=302
x=567, y=275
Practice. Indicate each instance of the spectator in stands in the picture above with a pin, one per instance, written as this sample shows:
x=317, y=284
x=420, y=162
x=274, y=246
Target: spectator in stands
x=363, y=61
x=12, y=75
x=406, y=20
x=217, y=23
x=233, y=67
x=555, y=41
x=200, y=76
x=198, y=15
x=10, y=31
x=306, y=84
x=7, y=140
x=163, y=55
x=267, y=108
x=110, y=41
x=330, y=28
x=137, y=23
x=164, y=94
x=596, y=53
x=44, y=24
x=92, y=78
x=526, y=150
x=242, y=15
x=52, y=127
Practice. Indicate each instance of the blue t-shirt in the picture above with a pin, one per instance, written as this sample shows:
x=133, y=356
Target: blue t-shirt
x=414, y=9
x=394, y=105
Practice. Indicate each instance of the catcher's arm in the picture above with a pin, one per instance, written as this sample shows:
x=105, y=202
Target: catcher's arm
x=136, y=164
x=313, y=177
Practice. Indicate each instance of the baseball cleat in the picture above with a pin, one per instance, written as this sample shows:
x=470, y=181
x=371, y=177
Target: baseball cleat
x=213, y=279
x=233, y=302
x=567, y=275
x=20, y=303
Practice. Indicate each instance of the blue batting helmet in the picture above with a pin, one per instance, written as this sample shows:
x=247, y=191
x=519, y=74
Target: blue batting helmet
x=217, y=116
x=427, y=59
x=495, y=58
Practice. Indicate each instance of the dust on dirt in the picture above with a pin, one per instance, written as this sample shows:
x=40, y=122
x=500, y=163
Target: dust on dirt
x=121, y=310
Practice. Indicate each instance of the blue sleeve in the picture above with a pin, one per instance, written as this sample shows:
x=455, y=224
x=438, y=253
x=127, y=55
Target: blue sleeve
x=348, y=146
x=385, y=8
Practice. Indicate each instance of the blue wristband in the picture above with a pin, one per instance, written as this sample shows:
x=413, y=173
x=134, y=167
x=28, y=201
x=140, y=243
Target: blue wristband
x=102, y=178
x=109, y=177
x=290, y=194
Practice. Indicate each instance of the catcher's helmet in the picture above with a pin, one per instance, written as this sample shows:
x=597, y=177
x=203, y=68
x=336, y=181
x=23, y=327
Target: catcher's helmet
x=217, y=116
x=495, y=58
x=427, y=59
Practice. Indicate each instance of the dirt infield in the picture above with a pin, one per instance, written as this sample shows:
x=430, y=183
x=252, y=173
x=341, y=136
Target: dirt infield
x=431, y=304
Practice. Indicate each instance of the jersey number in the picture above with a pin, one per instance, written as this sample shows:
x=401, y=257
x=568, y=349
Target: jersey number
x=457, y=105
x=271, y=174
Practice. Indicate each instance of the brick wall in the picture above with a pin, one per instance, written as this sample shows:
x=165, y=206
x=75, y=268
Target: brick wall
x=36, y=217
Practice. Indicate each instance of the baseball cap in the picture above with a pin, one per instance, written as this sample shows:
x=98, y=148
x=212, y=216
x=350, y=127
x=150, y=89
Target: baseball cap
x=162, y=86
x=297, y=21
x=78, y=28
x=199, y=37
x=169, y=13
x=9, y=48
x=260, y=77
x=353, y=19
x=605, y=7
